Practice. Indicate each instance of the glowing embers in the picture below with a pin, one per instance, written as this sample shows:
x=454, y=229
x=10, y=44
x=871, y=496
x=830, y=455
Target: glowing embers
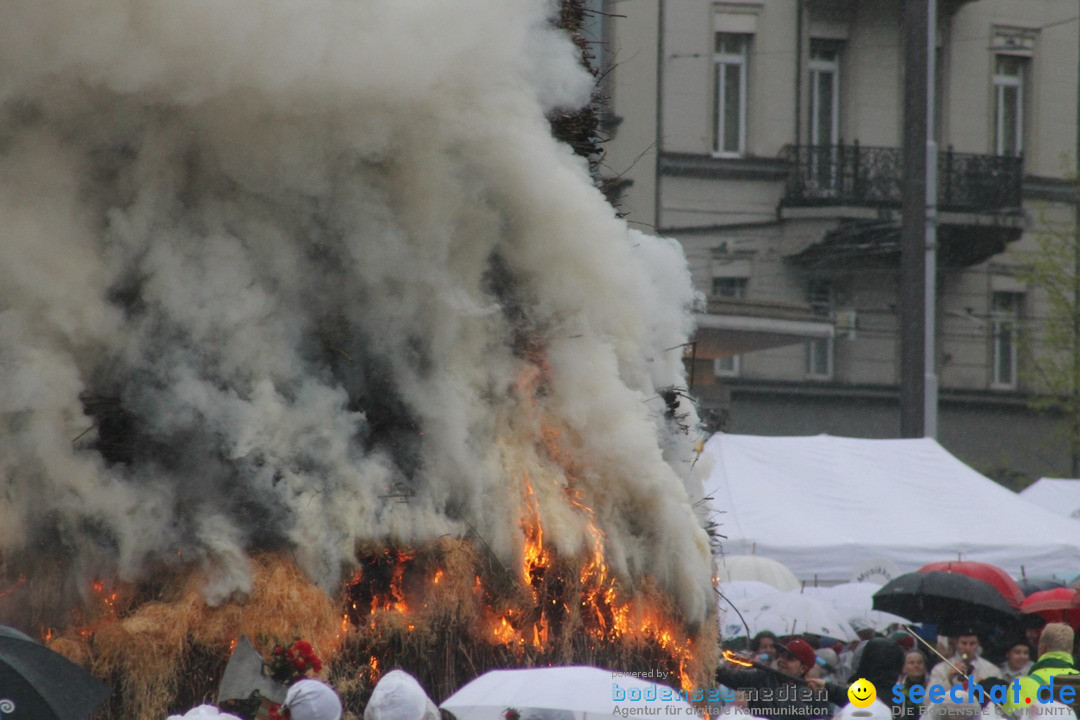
x=536, y=559
x=106, y=603
x=737, y=659
x=106, y=596
x=457, y=596
x=373, y=671
x=378, y=586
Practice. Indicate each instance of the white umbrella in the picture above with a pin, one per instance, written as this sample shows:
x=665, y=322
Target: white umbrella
x=563, y=693
x=739, y=590
x=855, y=601
x=793, y=613
x=732, y=596
x=757, y=567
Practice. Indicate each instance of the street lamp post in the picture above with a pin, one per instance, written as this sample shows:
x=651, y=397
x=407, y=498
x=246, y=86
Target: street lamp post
x=918, y=244
x=1074, y=414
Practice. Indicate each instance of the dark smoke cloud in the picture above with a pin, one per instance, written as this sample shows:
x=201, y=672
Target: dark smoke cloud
x=271, y=271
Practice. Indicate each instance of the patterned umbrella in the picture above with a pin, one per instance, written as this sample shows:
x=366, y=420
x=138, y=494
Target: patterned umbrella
x=37, y=683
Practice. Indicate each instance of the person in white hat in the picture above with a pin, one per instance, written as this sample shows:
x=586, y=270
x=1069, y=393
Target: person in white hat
x=399, y=696
x=311, y=700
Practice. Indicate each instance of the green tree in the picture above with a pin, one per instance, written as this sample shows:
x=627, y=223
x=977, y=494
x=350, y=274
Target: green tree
x=1051, y=345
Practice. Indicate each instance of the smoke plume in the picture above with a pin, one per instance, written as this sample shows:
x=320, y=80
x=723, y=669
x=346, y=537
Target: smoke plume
x=300, y=274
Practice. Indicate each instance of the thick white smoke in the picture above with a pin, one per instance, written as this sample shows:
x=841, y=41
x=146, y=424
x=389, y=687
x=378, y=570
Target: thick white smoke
x=271, y=271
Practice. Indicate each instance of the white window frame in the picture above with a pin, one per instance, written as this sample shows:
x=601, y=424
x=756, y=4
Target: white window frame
x=1002, y=83
x=819, y=66
x=813, y=370
x=824, y=152
x=721, y=61
x=1004, y=321
x=739, y=285
x=821, y=294
x=727, y=366
x=594, y=32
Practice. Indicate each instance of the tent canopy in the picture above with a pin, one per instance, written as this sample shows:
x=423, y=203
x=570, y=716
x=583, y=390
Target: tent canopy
x=823, y=505
x=1059, y=496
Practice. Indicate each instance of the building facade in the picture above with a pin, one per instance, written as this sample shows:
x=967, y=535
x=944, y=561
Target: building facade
x=766, y=136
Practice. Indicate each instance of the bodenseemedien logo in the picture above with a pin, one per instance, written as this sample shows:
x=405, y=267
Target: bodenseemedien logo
x=6, y=707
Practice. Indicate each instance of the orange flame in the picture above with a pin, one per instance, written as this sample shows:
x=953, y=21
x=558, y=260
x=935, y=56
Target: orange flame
x=107, y=599
x=590, y=594
x=536, y=559
x=736, y=659
x=373, y=669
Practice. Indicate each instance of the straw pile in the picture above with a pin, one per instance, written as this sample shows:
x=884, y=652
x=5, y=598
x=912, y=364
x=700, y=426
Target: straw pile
x=444, y=613
x=167, y=655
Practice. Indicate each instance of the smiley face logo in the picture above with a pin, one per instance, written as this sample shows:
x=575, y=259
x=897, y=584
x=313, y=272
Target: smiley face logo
x=861, y=693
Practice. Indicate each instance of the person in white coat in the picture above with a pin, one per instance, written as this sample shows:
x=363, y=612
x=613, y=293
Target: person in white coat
x=965, y=660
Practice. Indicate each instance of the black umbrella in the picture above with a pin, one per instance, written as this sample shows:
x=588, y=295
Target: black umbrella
x=944, y=598
x=1035, y=584
x=39, y=684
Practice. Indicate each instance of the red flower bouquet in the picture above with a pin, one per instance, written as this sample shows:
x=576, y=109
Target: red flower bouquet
x=290, y=663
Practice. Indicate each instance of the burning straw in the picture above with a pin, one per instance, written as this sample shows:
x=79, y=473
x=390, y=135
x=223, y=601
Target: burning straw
x=168, y=654
x=297, y=287
x=445, y=612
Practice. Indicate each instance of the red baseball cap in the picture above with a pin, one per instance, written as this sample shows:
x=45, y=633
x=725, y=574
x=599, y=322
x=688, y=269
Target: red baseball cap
x=801, y=651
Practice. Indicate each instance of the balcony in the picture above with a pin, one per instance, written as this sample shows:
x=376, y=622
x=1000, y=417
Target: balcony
x=979, y=204
x=728, y=327
x=862, y=176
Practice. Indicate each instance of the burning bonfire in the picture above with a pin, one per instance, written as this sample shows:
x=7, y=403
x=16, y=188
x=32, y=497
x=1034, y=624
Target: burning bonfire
x=310, y=329
x=445, y=610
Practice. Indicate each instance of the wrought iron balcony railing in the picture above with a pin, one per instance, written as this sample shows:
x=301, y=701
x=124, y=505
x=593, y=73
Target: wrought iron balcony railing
x=858, y=175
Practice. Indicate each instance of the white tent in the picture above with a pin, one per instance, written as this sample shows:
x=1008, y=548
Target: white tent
x=1059, y=496
x=824, y=505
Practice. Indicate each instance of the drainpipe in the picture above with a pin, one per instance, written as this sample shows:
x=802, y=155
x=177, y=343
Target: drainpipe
x=1074, y=410
x=798, y=71
x=660, y=50
x=930, y=387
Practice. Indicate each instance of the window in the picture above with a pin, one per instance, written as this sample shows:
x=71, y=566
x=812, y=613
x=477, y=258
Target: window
x=819, y=358
x=820, y=295
x=729, y=86
x=824, y=130
x=726, y=366
x=593, y=32
x=1009, y=74
x=819, y=353
x=1004, y=318
x=733, y=288
x=824, y=92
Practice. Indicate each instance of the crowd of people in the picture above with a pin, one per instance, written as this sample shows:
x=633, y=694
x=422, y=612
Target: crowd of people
x=397, y=696
x=809, y=677
x=306, y=700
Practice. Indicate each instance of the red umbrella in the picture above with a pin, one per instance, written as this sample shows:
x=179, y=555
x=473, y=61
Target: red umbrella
x=986, y=572
x=1057, y=605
